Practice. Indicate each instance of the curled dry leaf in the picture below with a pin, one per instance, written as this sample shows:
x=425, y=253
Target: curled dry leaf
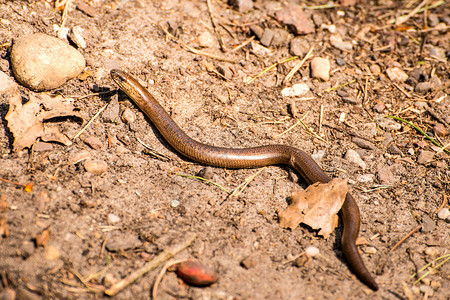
x=42, y=238
x=317, y=206
x=195, y=273
x=26, y=121
x=4, y=231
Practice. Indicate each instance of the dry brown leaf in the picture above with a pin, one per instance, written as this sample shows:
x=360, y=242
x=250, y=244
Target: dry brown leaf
x=26, y=121
x=317, y=206
x=42, y=238
x=4, y=231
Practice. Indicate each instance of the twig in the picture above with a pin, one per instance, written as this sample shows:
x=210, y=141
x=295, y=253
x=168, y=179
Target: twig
x=419, y=130
x=312, y=132
x=338, y=87
x=161, y=275
x=90, y=121
x=403, y=19
x=245, y=43
x=213, y=22
x=153, y=151
x=405, y=237
x=160, y=258
x=402, y=90
x=271, y=67
x=240, y=188
x=297, y=66
x=206, y=180
x=444, y=203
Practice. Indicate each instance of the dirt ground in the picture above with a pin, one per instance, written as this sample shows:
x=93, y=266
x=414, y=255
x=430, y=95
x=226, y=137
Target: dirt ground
x=103, y=227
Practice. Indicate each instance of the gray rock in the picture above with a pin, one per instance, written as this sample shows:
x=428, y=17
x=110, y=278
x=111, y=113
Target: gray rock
x=320, y=68
x=428, y=224
x=95, y=166
x=298, y=46
x=280, y=37
x=257, y=30
x=42, y=62
x=113, y=219
x=363, y=143
x=444, y=214
x=123, y=241
x=396, y=74
x=385, y=175
x=425, y=157
x=267, y=36
x=423, y=87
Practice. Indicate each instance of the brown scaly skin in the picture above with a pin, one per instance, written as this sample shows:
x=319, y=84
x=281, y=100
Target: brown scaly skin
x=247, y=158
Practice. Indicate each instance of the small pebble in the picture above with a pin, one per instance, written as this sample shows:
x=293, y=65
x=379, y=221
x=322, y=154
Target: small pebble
x=280, y=37
x=440, y=130
x=370, y=250
x=225, y=71
x=428, y=224
x=109, y=280
x=363, y=143
x=425, y=157
x=317, y=156
x=298, y=46
x=174, y=203
x=396, y=74
x=388, y=124
x=267, y=37
x=122, y=241
x=444, y=214
x=432, y=251
x=296, y=90
x=113, y=219
x=257, y=30
x=353, y=157
x=423, y=87
x=295, y=18
x=128, y=116
x=259, y=50
x=365, y=178
x=206, y=172
x=375, y=69
x=206, y=40
x=76, y=36
x=42, y=62
x=320, y=68
x=52, y=253
x=340, y=61
x=385, y=176
x=337, y=42
x=379, y=107
x=79, y=156
x=393, y=149
x=312, y=251
x=96, y=166
x=241, y=5
x=93, y=142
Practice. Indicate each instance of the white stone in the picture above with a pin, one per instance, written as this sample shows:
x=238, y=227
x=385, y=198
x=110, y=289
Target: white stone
x=353, y=157
x=295, y=90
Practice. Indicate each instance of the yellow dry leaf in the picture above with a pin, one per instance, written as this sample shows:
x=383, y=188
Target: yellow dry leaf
x=317, y=206
x=26, y=121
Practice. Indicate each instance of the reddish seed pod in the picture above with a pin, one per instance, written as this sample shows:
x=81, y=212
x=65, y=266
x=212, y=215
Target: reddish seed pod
x=195, y=273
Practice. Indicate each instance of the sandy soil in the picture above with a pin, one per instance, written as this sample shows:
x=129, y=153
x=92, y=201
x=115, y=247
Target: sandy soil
x=141, y=206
